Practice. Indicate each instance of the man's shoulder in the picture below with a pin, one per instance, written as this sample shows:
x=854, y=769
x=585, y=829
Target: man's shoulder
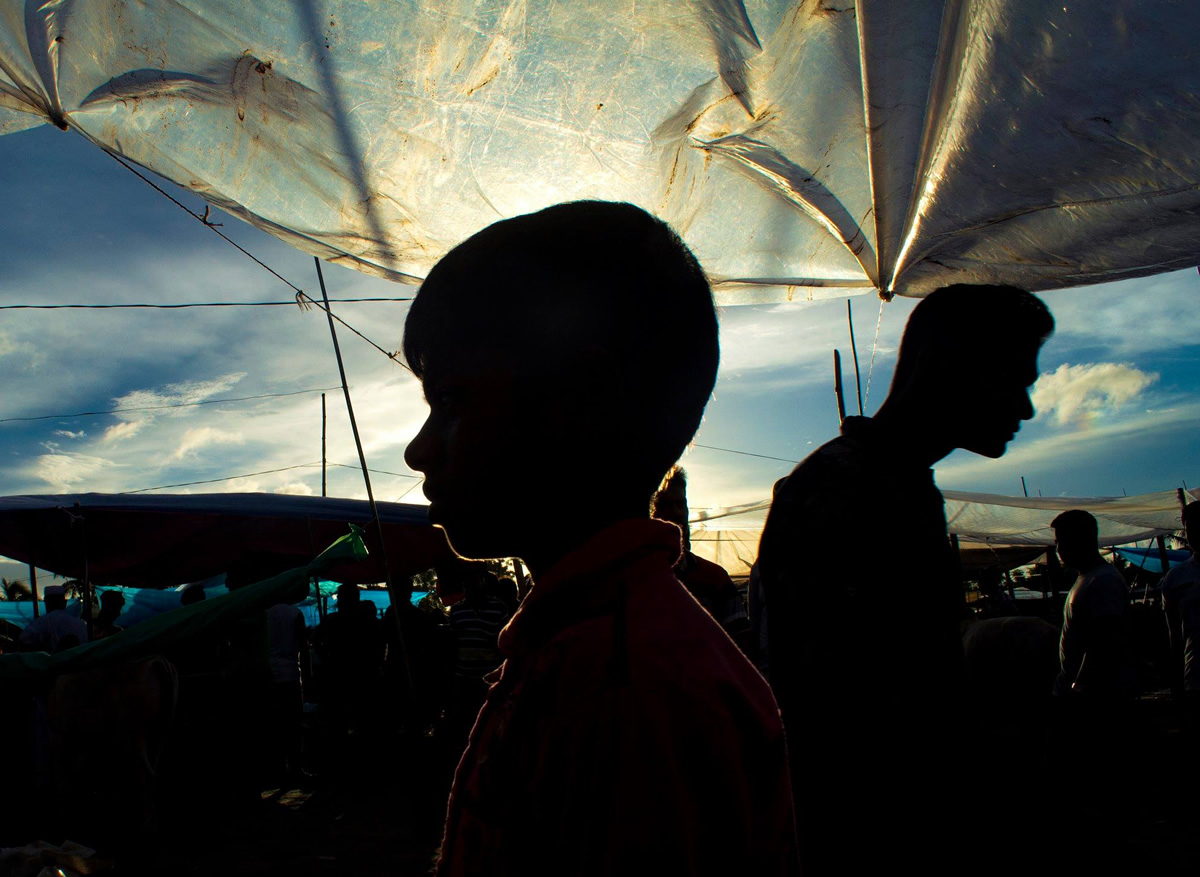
x=1182, y=575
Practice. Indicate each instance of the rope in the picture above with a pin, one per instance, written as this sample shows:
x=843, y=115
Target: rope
x=745, y=453
x=203, y=220
x=305, y=301
x=162, y=407
x=301, y=298
x=874, y=347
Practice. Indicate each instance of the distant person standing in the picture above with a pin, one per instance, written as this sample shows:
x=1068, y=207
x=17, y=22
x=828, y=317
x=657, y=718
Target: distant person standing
x=112, y=604
x=55, y=631
x=1181, y=604
x=1095, y=691
x=865, y=593
x=287, y=638
x=1094, y=646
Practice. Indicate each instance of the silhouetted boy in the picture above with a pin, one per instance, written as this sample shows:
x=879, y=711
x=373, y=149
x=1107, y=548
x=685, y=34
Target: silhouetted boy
x=624, y=733
x=864, y=590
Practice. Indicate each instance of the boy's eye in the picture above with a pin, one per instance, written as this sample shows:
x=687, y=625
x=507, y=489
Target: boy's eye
x=444, y=397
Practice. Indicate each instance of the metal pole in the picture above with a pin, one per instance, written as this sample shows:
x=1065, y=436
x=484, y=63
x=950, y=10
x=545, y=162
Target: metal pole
x=324, y=491
x=33, y=587
x=854, y=351
x=1024, y=489
x=393, y=592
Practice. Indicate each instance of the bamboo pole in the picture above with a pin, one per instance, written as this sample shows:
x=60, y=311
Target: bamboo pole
x=393, y=589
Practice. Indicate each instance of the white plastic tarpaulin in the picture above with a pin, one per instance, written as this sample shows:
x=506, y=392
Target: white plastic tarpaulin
x=730, y=536
x=803, y=149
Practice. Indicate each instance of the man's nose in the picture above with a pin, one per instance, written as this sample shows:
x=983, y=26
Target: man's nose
x=1027, y=410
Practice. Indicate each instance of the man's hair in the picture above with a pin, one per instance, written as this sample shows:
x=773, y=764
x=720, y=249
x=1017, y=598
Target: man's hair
x=1191, y=512
x=545, y=288
x=676, y=477
x=1076, y=521
x=963, y=321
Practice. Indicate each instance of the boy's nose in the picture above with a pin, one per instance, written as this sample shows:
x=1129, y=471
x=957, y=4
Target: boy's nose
x=420, y=451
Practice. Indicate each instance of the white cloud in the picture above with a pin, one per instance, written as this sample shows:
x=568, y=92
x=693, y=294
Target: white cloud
x=66, y=433
x=295, y=488
x=1074, y=394
x=1056, y=450
x=201, y=437
x=125, y=429
x=64, y=471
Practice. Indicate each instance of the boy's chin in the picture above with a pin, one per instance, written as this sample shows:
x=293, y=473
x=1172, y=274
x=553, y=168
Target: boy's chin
x=470, y=542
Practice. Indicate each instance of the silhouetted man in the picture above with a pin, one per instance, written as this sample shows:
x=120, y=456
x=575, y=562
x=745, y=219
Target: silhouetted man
x=865, y=595
x=1096, y=687
x=1181, y=604
x=624, y=733
x=55, y=631
x=1094, y=646
x=708, y=582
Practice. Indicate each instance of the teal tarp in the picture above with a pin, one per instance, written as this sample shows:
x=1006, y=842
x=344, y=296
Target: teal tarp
x=171, y=627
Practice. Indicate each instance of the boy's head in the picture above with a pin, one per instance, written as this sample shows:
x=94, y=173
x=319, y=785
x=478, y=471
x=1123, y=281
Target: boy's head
x=582, y=330
x=975, y=348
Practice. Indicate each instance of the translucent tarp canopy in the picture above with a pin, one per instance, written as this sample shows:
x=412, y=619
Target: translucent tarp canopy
x=803, y=149
x=982, y=522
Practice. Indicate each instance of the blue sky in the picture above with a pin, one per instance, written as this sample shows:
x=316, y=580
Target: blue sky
x=1118, y=401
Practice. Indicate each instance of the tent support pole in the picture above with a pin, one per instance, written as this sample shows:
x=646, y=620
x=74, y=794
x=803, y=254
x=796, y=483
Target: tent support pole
x=33, y=587
x=854, y=351
x=837, y=386
x=1162, y=554
x=324, y=482
x=393, y=592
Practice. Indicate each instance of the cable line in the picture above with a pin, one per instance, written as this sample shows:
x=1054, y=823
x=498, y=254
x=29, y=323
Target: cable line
x=203, y=220
x=302, y=298
x=192, y=304
x=164, y=406
x=746, y=453
x=217, y=480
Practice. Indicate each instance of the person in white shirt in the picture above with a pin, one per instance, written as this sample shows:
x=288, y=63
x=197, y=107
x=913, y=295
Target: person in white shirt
x=55, y=631
x=1093, y=648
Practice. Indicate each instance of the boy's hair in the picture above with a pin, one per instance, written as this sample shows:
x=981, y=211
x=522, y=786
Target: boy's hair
x=1077, y=521
x=964, y=321
x=547, y=288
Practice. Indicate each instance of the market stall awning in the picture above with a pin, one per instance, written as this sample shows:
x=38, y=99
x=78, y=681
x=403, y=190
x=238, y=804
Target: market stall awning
x=164, y=540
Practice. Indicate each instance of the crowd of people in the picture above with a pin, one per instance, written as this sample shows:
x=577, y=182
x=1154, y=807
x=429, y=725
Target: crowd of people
x=631, y=713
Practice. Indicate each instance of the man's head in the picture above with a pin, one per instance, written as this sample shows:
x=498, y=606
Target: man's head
x=112, y=602
x=55, y=597
x=347, y=595
x=586, y=330
x=1075, y=536
x=1191, y=525
x=670, y=502
x=192, y=594
x=972, y=351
